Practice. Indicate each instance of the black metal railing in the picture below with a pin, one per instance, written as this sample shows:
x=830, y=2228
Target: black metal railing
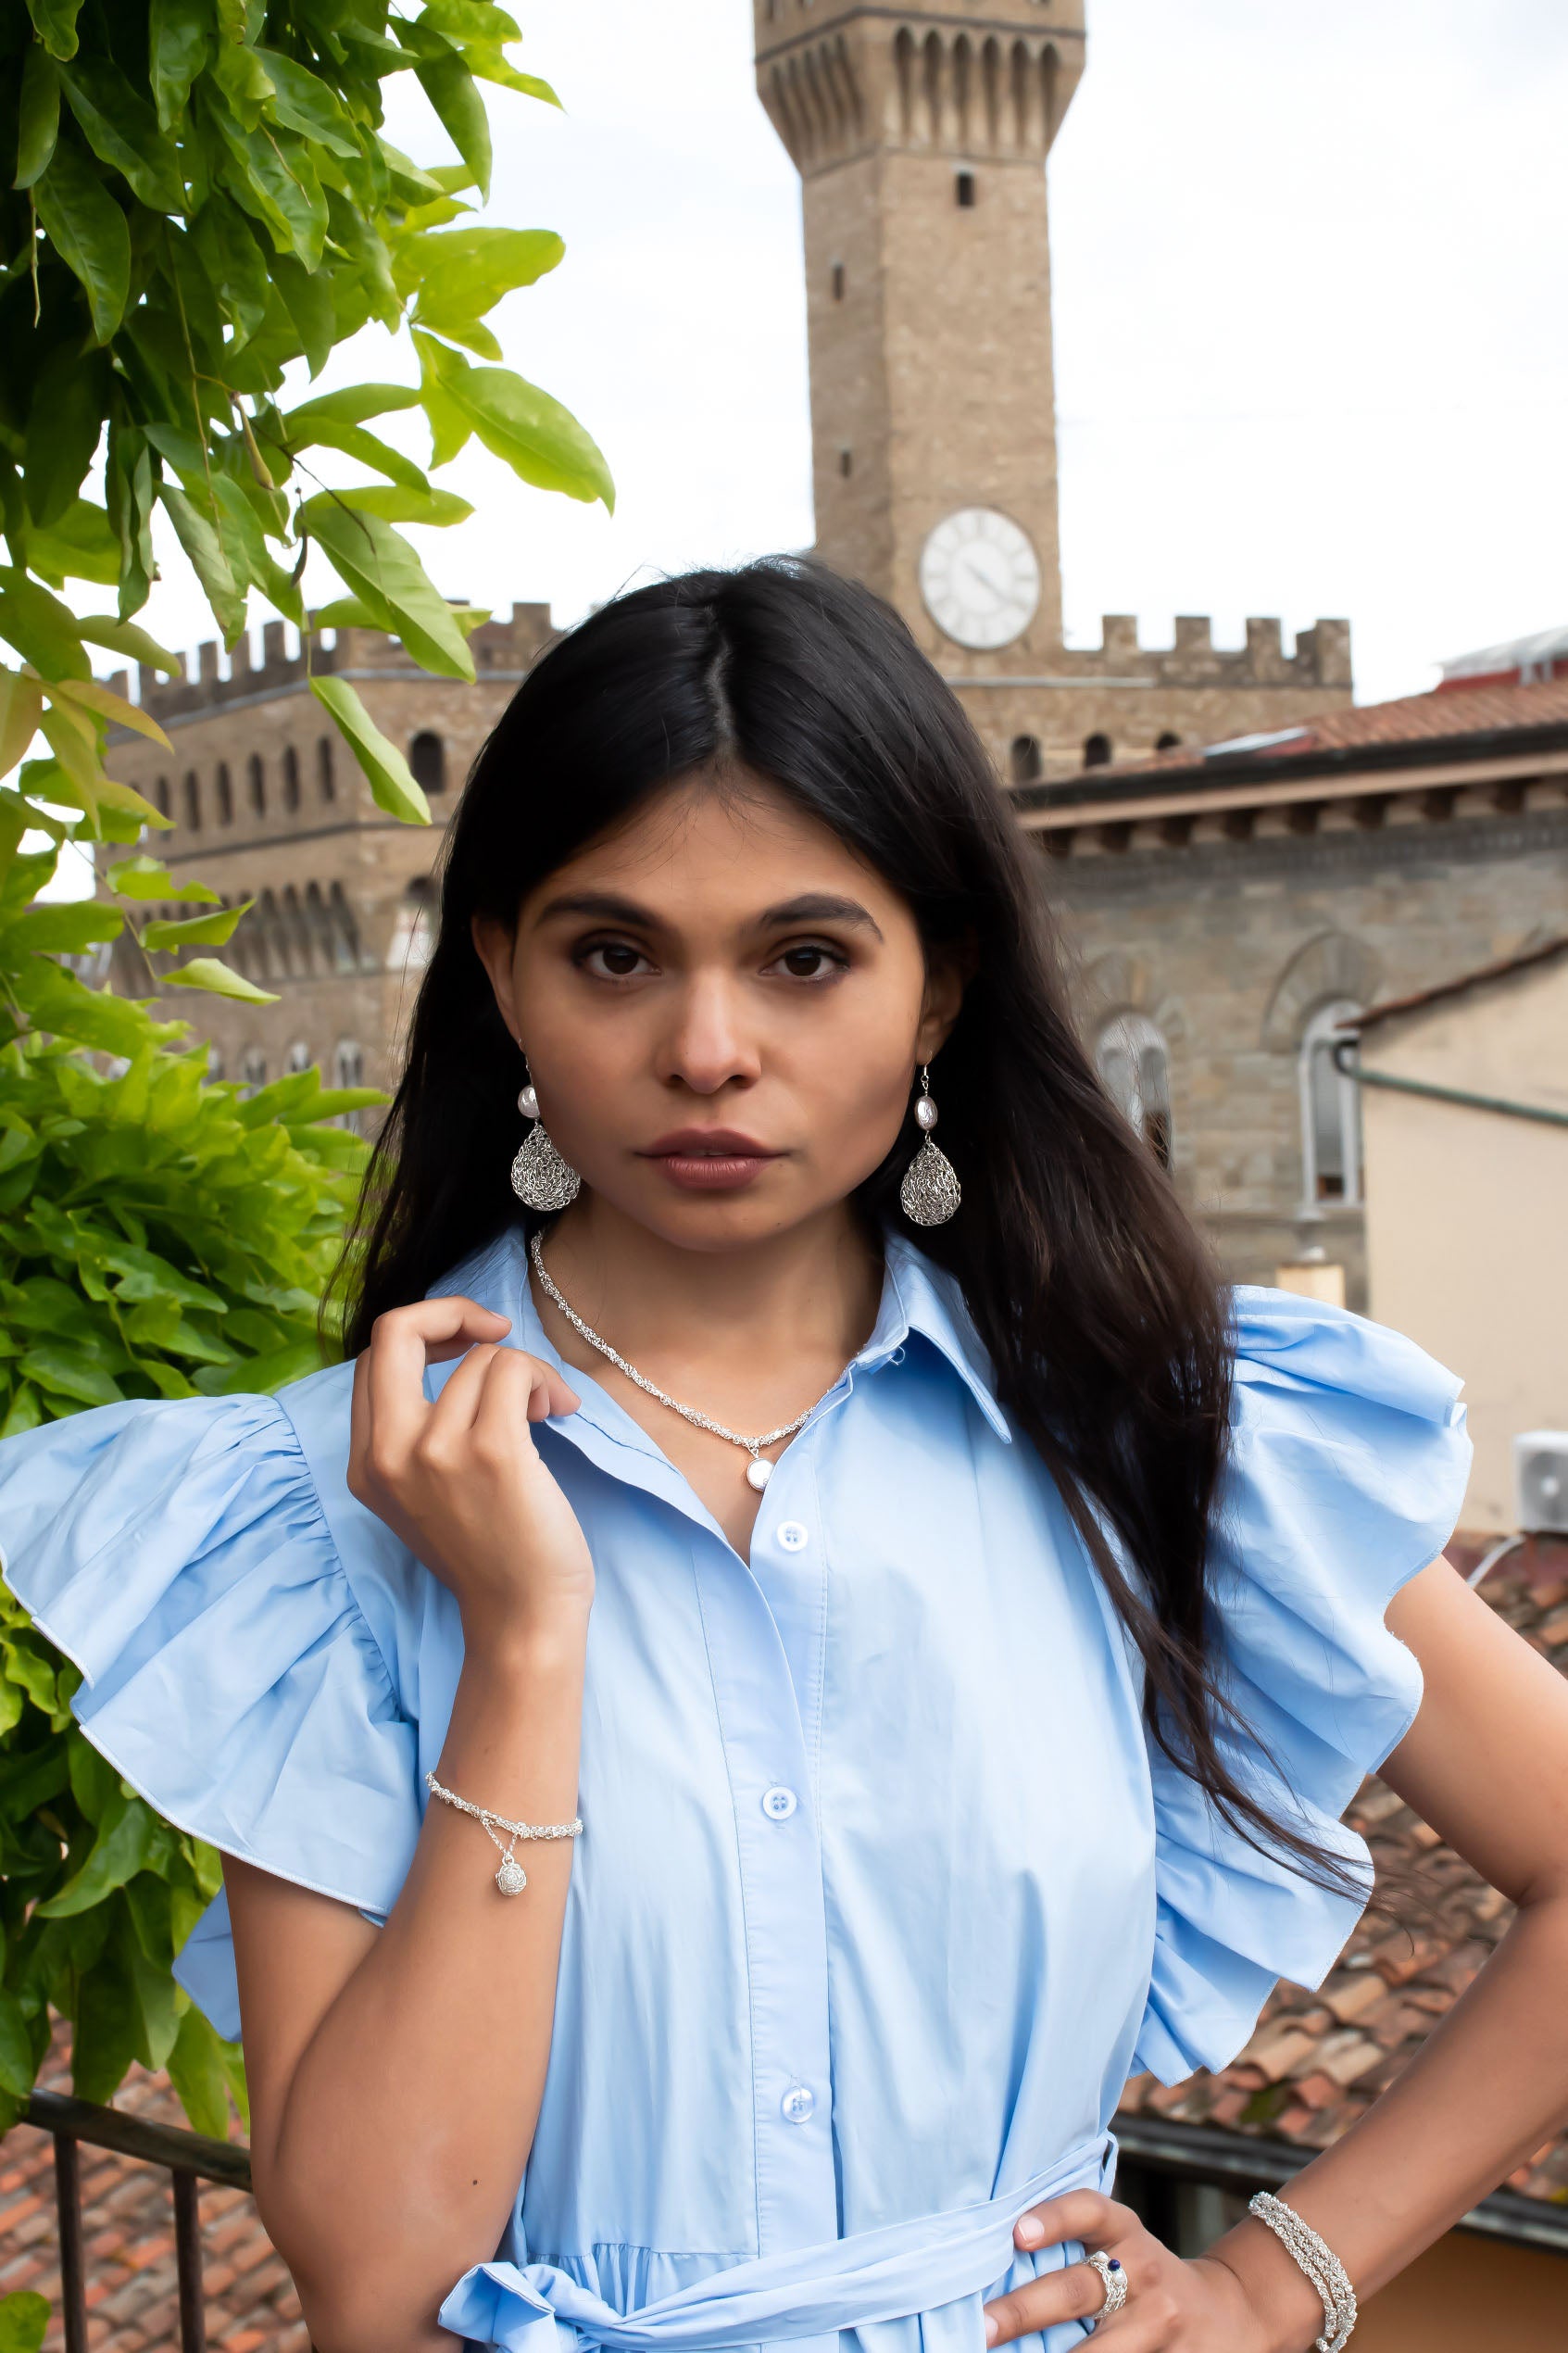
x=190, y=2159
x=1159, y=2154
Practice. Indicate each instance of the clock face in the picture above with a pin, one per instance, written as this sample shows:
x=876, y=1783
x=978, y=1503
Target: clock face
x=980, y=577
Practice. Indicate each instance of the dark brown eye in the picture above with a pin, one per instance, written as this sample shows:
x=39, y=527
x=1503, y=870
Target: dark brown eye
x=619, y=959
x=807, y=962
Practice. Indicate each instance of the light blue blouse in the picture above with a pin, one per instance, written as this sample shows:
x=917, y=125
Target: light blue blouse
x=882, y=1894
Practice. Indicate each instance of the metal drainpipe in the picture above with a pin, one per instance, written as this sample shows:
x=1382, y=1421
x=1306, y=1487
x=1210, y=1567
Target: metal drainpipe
x=1502, y=1104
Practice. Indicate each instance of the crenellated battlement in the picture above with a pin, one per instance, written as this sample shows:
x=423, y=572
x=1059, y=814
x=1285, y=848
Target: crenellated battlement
x=982, y=79
x=1320, y=659
x=509, y=643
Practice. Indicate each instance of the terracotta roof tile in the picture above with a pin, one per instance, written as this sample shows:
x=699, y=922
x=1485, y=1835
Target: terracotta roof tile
x=1318, y=2059
x=1445, y=714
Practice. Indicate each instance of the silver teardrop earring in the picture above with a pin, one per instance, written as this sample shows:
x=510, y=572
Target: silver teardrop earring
x=930, y=1191
x=540, y=1179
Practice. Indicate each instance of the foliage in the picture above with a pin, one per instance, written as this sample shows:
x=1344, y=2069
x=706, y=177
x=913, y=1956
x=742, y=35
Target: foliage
x=160, y=1235
x=24, y=2316
x=201, y=197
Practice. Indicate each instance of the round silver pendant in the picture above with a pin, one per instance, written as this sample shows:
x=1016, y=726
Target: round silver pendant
x=759, y=1471
x=511, y=1879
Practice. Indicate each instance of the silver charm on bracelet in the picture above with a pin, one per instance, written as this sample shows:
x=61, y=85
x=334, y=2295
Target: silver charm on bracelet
x=510, y=1878
x=1115, y=2279
x=1318, y=2260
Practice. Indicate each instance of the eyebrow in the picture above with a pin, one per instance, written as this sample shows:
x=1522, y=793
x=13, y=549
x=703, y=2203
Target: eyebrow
x=811, y=907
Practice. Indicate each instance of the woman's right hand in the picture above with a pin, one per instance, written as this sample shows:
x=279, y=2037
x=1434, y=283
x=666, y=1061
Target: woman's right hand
x=460, y=1481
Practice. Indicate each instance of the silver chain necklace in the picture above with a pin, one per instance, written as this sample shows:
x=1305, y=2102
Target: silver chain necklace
x=759, y=1471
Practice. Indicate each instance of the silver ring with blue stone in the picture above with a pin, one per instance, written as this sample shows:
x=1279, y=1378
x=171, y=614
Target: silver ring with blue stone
x=1115, y=2279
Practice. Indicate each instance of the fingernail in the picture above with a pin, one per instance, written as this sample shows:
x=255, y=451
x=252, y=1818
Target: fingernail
x=1030, y=2232
x=990, y=2332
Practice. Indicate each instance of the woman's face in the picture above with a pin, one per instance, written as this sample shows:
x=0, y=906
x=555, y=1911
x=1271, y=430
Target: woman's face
x=724, y=1010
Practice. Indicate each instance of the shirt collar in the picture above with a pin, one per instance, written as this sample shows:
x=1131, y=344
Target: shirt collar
x=918, y=1297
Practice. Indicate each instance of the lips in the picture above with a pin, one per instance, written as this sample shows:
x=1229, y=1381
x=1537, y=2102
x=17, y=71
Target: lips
x=709, y=1160
x=718, y=1143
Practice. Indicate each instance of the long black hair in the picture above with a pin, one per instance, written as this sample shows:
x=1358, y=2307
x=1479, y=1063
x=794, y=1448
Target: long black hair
x=1094, y=1294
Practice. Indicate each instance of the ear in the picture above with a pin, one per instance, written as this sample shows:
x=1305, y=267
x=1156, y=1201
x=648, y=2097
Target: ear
x=948, y=971
x=494, y=947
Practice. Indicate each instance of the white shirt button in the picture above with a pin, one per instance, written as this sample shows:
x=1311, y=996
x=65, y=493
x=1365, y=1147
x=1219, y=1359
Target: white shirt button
x=779, y=1802
x=794, y=1535
x=798, y=2102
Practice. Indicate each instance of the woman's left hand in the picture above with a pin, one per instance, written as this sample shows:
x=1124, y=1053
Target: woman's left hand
x=1172, y=2306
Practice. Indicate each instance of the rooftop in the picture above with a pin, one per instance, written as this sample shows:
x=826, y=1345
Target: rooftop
x=1318, y=2059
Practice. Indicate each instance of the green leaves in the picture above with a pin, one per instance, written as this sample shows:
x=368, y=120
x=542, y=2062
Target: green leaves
x=38, y=115
x=205, y=972
x=196, y=931
x=24, y=2318
x=542, y=441
x=88, y=231
x=391, y=781
x=180, y=44
x=123, y=129
x=384, y=574
x=54, y=23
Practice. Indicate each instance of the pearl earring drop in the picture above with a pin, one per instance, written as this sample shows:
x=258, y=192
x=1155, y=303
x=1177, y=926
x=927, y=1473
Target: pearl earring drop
x=930, y=1193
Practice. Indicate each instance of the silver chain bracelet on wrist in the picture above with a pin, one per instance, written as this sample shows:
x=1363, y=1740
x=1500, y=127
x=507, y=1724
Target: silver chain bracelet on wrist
x=1317, y=2258
x=511, y=1879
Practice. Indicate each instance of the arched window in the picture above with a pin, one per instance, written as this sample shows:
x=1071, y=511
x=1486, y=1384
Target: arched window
x=413, y=937
x=1024, y=764
x=193, y=798
x=838, y=281
x=345, y=930
x=326, y=783
x=1134, y=1063
x=847, y=462
x=348, y=1069
x=161, y=794
x=253, y=1069
x=1096, y=750
x=214, y=1063
x=297, y=1058
x=291, y=777
x=257, y=775
x=1331, y=1112
x=225, y=794
x=963, y=189
x=1167, y=742
x=427, y=758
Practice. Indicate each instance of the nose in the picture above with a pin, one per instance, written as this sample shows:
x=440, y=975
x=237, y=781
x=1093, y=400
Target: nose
x=709, y=1044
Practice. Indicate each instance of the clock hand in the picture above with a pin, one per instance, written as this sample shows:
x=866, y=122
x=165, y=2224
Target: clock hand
x=982, y=577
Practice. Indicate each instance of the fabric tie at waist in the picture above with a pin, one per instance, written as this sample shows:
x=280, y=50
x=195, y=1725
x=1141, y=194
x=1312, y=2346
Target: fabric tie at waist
x=805, y=2292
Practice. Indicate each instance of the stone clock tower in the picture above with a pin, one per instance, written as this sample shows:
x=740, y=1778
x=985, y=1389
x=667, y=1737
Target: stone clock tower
x=920, y=134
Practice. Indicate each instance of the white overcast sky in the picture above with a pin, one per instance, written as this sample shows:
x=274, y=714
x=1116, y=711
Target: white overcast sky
x=1311, y=341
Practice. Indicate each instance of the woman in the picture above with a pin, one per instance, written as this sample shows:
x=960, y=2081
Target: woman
x=954, y=1627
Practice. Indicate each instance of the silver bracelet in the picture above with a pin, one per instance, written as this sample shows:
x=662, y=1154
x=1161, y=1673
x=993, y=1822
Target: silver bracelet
x=1317, y=2258
x=511, y=1879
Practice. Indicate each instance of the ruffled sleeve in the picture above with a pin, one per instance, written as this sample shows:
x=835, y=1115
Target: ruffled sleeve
x=177, y=1552
x=1347, y=1473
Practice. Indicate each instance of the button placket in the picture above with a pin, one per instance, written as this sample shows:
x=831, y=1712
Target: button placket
x=786, y=1927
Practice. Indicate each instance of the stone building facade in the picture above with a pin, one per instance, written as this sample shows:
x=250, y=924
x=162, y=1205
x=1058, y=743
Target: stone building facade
x=920, y=134
x=268, y=806
x=1226, y=914
x=1223, y=908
